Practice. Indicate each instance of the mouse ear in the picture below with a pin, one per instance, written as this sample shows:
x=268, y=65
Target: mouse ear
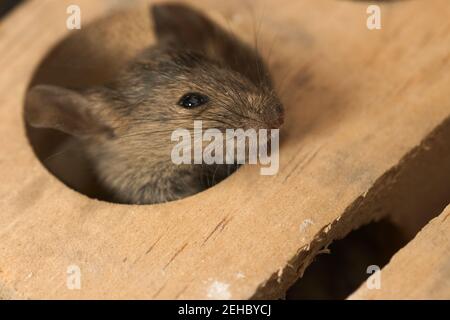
x=185, y=27
x=62, y=109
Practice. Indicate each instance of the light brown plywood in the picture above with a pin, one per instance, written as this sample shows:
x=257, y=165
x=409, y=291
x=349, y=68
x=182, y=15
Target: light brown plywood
x=358, y=104
x=421, y=270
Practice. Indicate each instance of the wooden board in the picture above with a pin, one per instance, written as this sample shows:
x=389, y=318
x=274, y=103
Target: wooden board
x=358, y=103
x=421, y=270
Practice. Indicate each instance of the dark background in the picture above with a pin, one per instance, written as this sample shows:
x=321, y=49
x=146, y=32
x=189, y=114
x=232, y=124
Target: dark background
x=7, y=5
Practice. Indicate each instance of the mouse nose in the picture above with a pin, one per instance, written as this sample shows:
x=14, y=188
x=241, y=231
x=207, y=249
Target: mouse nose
x=267, y=120
x=274, y=118
x=278, y=120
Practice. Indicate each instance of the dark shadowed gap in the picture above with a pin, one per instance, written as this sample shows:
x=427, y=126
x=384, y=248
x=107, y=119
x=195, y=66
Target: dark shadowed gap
x=7, y=5
x=339, y=273
x=418, y=192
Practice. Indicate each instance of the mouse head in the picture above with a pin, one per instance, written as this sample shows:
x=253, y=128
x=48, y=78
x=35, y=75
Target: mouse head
x=197, y=71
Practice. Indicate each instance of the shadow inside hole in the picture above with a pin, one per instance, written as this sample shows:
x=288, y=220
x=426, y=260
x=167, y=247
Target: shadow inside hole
x=7, y=5
x=91, y=56
x=338, y=274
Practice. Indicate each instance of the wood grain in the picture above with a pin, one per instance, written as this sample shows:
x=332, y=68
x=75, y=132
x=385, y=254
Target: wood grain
x=421, y=270
x=359, y=104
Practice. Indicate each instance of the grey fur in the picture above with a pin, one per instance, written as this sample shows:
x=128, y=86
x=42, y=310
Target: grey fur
x=125, y=126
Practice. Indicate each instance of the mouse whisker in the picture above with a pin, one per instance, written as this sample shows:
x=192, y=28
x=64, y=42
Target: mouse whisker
x=145, y=133
x=59, y=153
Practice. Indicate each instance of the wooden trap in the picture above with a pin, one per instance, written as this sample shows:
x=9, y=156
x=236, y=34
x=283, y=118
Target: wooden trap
x=366, y=137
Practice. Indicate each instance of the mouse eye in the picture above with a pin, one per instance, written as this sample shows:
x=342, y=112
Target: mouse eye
x=192, y=100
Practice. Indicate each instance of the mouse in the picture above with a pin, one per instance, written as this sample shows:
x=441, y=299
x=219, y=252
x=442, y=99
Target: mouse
x=196, y=70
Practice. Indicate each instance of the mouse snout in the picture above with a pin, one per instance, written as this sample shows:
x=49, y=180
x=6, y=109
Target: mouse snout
x=267, y=120
x=277, y=119
x=273, y=117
